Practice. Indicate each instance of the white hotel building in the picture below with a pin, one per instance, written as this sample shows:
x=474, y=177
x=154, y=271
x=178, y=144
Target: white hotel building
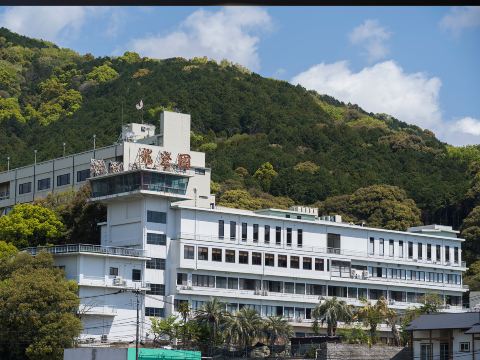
x=165, y=237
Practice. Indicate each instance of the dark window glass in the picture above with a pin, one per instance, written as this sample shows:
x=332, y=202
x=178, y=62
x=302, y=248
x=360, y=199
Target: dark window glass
x=243, y=257
x=319, y=264
x=447, y=253
x=83, y=175
x=216, y=254
x=333, y=242
x=136, y=275
x=244, y=231
x=203, y=280
x=156, y=239
x=410, y=249
x=420, y=250
x=155, y=312
x=455, y=255
x=438, y=254
x=256, y=258
x=43, y=184
x=188, y=252
x=391, y=247
x=221, y=229
x=63, y=179
x=182, y=279
x=294, y=262
x=429, y=252
x=269, y=260
x=400, y=249
x=114, y=271
x=267, y=234
x=289, y=236
x=233, y=230
x=282, y=261
x=156, y=263
x=278, y=235
x=255, y=232
x=199, y=171
x=156, y=217
x=25, y=188
x=371, y=246
x=307, y=263
x=230, y=256
x=157, y=289
x=203, y=253
x=299, y=237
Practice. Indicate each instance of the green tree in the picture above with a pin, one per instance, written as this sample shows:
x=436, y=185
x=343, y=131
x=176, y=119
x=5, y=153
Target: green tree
x=10, y=110
x=391, y=319
x=372, y=315
x=276, y=328
x=470, y=231
x=472, y=276
x=307, y=166
x=162, y=328
x=37, y=309
x=243, y=327
x=102, y=74
x=264, y=175
x=331, y=311
x=31, y=225
x=354, y=335
x=212, y=314
x=7, y=250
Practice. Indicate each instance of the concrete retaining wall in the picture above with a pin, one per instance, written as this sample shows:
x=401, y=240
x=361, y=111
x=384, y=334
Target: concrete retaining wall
x=339, y=351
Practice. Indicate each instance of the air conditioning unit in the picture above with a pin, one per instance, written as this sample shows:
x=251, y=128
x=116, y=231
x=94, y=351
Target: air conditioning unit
x=103, y=339
x=118, y=281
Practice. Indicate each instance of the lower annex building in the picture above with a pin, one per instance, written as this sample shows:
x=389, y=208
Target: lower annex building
x=165, y=241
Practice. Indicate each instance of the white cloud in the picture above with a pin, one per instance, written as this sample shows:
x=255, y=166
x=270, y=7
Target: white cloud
x=460, y=18
x=231, y=33
x=381, y=88
x=373, y=38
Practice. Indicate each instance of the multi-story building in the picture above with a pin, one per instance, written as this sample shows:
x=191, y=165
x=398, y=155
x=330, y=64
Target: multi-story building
x=166, y=241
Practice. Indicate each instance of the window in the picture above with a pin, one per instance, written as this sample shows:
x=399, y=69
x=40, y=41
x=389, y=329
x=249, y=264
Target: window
x=113, y=271
x=438, y=253
x=136, y=275
x=278, y=235
x=300, y=288
x=267, y=234
x=244, y=231
x=425, y=352
x=410, y=249
x=221, y=229
x=83, y=175
x=400, y=249
x=156, y=239
x=199, y=171
x=156, y=263
x=230, y=256
x=216, y=254
x=232, y=283
x=420, y=250
x=221, y=282
x=233, y=230
x=455, y=255
x=156, y=289
x=203, y=280
x=287, y=216
x=282, y=261
x=444, y=353
x=294, y=262
x=203, y=253
x=299, y=237
x=63, y=179
x=289, y=236
x=256, y=258
x=429, y=251
x=156, y=217
x=333, y=243
x=182, y=279
x=25, y=188
x=255, y=232
x=447, y=253
x=371, y=246
x=391, y=247
x=307, y=263
x=289, y=288
x=465, y=347
x=188, y=252
x=156, y=312
x=319, y=265
x=381, y=250
x=43, y=184
x=243, y=257
x=269, y=259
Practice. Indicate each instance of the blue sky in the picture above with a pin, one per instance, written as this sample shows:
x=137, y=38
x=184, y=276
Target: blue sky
x=420, y=64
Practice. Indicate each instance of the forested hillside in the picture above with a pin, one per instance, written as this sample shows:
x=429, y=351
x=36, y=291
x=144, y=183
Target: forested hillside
x=317, y=147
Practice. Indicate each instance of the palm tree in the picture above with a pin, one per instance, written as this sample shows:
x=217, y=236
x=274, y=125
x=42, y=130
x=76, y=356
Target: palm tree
x=276, y=327
x=243, y=327
x=372, y=315
x=332, y=311
x=212, y=314
x=184, y=310
x=391, y=320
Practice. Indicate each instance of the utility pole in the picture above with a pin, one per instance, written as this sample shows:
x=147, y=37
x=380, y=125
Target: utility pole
x=137, y=292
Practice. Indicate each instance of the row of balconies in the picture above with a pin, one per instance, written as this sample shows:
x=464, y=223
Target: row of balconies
x=116, y=282
x=317, y=250
x=86, y=248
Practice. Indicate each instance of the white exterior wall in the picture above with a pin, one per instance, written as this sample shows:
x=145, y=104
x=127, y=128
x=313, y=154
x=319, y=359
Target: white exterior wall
x=459, y=336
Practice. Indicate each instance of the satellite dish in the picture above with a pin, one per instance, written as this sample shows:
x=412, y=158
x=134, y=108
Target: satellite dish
x=139, y=106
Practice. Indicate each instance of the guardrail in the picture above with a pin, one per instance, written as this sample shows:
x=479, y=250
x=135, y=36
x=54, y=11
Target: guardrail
x=4, y=195
x=81, y=248
x=335, y=251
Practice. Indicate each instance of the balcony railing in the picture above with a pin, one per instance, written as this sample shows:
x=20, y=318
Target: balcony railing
x=4, y=195
x=336, y=251
x=117, y=281
x=86, y=248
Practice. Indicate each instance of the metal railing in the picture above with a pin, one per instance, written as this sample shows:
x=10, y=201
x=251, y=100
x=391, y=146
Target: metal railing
x=336, y=251
x=86, y=248
x=4, y=195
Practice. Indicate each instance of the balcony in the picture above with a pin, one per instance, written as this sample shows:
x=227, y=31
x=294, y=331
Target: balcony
x=104, y=310
x=112, y=282
x=4, y=195
x=86, y=248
